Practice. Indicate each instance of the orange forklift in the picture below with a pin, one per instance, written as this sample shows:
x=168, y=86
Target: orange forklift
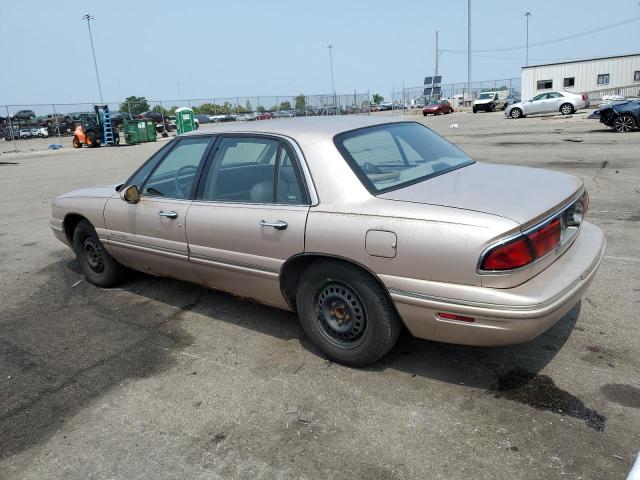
x=95, y=129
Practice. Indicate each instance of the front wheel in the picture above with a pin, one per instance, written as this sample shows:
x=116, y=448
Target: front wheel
x=98, y=266
x=624, y=123
x=566, y=109
x=515, y=113
x=346, y=313
x=76, y=143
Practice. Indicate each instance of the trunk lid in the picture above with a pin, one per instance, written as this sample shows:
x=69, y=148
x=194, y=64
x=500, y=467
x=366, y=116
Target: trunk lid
x=524, y=195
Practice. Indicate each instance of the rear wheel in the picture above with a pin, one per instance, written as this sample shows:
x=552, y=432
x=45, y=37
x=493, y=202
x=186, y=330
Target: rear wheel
x=515, y=113
x=624, y=123
x=566, y=109
x=91, y=141
x=98, y=266
x=76, y=142
x=346, y=313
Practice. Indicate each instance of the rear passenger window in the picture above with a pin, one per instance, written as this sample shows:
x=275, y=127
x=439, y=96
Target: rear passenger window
x=252, y=170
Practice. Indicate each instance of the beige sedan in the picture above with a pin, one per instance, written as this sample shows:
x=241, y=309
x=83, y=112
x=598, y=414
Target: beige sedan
x=360, y=224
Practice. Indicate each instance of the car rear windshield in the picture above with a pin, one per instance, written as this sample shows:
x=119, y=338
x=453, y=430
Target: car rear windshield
x=391, y=156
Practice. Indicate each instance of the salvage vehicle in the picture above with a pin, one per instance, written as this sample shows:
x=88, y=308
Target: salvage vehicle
x=563, y=102
x=360, y=224
x=622, y=116
x=491, y=101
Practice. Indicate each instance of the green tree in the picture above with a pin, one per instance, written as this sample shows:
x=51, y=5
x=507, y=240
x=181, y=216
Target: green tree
x=377, y=98
x=286, y=105
x=261, y=109
x=135, y=105
x=301, y=102
x=247, y=107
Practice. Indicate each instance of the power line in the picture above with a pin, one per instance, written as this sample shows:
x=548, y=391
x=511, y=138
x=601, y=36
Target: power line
x=549, y=42
x=495, y=57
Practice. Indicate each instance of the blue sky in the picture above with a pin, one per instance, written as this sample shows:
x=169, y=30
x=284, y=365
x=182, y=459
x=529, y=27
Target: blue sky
x=278, y=47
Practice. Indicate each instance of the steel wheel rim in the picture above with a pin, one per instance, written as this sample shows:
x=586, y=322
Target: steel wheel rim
x=623, y=124
x=340, y=315
x=93, y=254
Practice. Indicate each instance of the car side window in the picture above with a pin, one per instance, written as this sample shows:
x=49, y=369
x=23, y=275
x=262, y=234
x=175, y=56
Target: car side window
x=245, y=170
x=175, y=175
x=554, y=95
x=542, y=96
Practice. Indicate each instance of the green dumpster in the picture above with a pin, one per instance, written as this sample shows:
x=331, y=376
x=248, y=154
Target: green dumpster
x=185, y=120
x=134, y=132
x=150, y=128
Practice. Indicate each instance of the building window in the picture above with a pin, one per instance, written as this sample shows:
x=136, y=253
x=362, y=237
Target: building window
x=603, y=79
x=636, y=76
x=544, y=84
x=569, y=82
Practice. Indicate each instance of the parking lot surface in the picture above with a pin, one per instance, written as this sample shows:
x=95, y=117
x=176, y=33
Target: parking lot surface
x=160, y=379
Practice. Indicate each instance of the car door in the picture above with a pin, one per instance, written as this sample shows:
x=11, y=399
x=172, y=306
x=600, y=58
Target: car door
x=248, y=217
x=555, y=99
x=150, y=235
x=536, y=104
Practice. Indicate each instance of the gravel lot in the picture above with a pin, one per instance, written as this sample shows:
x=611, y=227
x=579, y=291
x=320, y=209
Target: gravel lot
x=162, y=380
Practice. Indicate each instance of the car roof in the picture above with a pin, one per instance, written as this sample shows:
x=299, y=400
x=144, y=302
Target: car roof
x=302, y=128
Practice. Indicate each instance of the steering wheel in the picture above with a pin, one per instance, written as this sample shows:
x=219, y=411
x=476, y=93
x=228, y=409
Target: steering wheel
x=184, y=186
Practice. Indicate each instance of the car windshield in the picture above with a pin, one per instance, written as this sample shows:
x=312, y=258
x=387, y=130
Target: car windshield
x=484, y=96
x=390, y=156
x=432, y=104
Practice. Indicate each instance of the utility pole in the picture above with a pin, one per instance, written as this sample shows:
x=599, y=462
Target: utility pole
x=468, y=52
x=527, y=15
x=88, y=18
x=437, y=55
x=333, y=88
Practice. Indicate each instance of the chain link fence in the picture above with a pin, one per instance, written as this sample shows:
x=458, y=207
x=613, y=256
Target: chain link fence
x=457, y=93
x=47, y=125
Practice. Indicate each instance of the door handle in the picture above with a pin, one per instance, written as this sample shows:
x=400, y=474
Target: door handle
x=279, y=225
x=169, y=214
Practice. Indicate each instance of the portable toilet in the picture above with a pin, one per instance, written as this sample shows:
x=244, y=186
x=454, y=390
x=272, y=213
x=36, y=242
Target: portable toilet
x=185, y=120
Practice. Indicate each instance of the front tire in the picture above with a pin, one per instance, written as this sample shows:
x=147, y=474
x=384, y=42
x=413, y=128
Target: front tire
x=76, y=143
x=566, y=109
x=624, y=123
x=98, y=266
x=515, y=113
x=346, y=313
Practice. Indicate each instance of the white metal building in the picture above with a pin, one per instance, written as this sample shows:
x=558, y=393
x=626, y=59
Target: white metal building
x=582, y=75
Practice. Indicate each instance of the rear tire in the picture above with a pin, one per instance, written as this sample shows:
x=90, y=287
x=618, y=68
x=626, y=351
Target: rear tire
x=566, y=109
x=346, y=313
x=624, y=123
x=515, y=113
x=98, y=266
x=76, y=142
x=91, y=141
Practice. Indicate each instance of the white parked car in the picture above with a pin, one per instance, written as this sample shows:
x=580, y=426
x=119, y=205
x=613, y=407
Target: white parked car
x=491, y=101
x=549, y=102
x=41, y=132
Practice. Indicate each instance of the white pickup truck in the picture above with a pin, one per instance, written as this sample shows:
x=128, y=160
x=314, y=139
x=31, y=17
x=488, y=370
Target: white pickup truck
x=491, y=101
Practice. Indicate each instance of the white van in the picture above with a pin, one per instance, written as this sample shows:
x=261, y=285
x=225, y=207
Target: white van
x=491, y=101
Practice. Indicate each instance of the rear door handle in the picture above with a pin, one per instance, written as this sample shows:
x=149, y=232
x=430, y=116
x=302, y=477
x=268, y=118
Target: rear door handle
x=169, y=214
x=279, y=225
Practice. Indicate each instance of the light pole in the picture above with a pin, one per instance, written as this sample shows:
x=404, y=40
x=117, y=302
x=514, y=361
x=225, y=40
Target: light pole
x=88, y=18
x=527, y=15
x=333, y=88
x=468, y=52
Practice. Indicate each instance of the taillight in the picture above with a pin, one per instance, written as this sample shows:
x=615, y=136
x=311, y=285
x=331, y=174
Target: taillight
x=453, y=316
x=514, y=254
x=546, y=238
x=585, y=97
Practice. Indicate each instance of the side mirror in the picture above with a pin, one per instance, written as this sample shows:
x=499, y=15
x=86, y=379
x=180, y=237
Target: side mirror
x=130, y=194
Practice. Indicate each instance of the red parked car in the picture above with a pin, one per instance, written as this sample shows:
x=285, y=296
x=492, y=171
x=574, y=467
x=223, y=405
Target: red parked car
x=437, y=107
x=264, y=116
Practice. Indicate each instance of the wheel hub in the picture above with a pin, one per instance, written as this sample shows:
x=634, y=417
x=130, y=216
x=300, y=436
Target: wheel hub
x=340, y=314
x=93, y=254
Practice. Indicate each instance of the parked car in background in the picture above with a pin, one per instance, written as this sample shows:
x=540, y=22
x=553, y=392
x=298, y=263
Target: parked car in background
x=385, y=106
x=437, y=107
x=360, y=224
x=25, y=133
x=151, y=115
x=513, y=98
x=24, y=115
x=623, y=117
x=563, y=102
x=264, y=116
x=490, y=101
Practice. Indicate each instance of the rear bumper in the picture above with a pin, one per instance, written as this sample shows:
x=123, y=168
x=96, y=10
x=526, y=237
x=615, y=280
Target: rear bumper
x=504, y=316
